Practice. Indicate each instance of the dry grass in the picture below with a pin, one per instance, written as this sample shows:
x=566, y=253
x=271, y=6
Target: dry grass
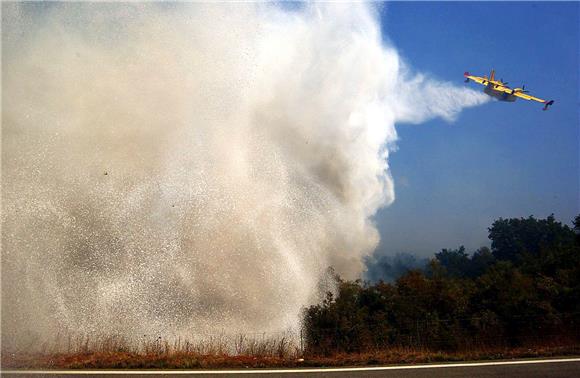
x=238, y=352
x=83, y=351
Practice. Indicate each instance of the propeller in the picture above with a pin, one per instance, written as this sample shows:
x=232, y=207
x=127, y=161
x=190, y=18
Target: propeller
x=521, y=90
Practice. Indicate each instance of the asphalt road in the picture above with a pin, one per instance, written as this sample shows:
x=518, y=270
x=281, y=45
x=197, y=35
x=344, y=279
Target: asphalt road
x=551, y=368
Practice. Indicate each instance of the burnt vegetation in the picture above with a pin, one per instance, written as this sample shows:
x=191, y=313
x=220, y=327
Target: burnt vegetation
x=524, y=291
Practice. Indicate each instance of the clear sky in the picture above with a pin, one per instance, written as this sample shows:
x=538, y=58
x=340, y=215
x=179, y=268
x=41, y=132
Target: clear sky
x=496, y=160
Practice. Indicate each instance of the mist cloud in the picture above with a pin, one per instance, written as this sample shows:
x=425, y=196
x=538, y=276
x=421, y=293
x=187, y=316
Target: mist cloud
x=186, y=168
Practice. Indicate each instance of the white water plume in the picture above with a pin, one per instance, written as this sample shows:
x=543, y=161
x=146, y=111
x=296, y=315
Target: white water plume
x=179, y=169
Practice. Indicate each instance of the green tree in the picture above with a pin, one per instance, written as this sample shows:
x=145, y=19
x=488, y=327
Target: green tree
x=525, y=290
x=481, y=260
x=455, y=261
x=513, y=239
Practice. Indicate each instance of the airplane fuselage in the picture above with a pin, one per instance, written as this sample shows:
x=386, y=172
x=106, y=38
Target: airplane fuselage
x=501, y=96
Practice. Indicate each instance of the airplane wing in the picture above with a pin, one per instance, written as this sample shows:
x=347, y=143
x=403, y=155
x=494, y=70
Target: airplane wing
x=528, y=97
x=532, y=98
x=481, y=80
x=518, y=94
x=477, y=79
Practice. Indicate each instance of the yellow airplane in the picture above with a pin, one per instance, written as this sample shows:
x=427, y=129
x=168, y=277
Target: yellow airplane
x=498, y=89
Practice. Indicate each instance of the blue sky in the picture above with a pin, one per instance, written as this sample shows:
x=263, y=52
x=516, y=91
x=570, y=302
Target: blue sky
x=496, y=160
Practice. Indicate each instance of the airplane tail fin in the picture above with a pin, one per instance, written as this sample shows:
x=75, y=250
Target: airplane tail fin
x=548, y=104
x=492, y=75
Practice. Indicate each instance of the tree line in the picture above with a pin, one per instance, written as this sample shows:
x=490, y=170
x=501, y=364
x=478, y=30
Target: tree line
x=524, y=290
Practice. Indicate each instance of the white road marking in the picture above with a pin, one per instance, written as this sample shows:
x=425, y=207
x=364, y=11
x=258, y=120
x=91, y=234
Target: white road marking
x=282, y=371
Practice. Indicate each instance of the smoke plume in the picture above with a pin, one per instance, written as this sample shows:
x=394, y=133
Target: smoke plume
x=177, y=169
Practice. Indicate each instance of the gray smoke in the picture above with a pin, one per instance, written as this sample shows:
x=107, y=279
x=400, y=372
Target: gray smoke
x=178, y=169
x=389, y=268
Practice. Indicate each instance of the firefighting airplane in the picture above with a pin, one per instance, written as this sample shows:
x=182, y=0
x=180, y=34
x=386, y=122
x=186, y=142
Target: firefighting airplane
x=500, y=90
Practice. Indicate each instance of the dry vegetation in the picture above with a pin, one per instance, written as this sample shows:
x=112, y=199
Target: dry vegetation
x=240, y=352
x=84, y=351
